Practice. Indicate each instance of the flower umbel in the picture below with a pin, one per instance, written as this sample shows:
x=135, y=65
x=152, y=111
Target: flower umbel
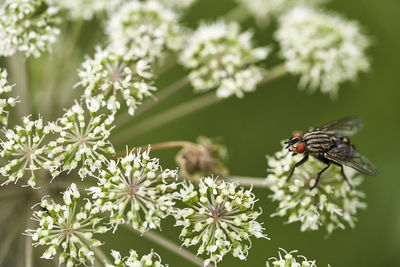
x=83, y=139
x=150, y=260
x=220, y=56
x=5, y=101
x=110, y=73
x=24, y=150
x=145, y=28
x=29, y=26
x=67, y=229
x=330, y=205
x=135, y=190
x=288, y=260
x=323, y=48
x=219, y=218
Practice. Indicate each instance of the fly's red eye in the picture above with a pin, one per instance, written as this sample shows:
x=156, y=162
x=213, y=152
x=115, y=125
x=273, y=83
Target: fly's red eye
x=297, y=134
x=300, y=148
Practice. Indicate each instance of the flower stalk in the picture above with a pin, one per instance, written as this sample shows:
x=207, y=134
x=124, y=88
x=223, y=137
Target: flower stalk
x=171, y=246
x=158, y=146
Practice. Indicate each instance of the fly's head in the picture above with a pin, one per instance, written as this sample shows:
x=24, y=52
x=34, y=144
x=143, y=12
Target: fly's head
x=296, y=144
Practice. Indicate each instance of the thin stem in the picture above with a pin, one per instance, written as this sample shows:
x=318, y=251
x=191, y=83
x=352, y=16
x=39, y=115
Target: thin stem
x=260, y=182
x=166, y=64
x=28, y=247
x=171, y=246
x=238, y=13
x=20, y=73
x=172, y=114
x=158, y=146
x=100, y=255
x=11, y=232
x=158, y=97
x=273, y=73
x=164, y=94
x=66, y=50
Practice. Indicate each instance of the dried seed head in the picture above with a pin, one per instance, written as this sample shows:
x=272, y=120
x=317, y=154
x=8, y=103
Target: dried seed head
x=202, y=159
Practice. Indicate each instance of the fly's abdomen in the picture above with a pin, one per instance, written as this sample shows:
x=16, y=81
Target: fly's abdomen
x=318, y=142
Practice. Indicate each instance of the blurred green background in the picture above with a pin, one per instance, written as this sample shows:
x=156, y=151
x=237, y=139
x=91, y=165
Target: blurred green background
x=253, y=127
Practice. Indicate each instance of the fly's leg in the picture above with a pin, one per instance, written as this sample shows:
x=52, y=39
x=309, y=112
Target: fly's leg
x=328, y=164
x=343, y=174
x=297, y=165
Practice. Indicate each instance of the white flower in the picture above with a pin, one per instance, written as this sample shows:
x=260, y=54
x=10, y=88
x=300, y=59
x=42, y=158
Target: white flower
x=145, y=28
x=289, y=260
x=29, y=26
x=135, y=190
x=67, y=229
x=24, y=151
x=323, y=48
x=220, y=56
x=82, y=140
x=266, y=10
x=331, y=204
x=150, y=260
x=219, y=218
x=111, y=73
x=5, y=101
x=85, y=9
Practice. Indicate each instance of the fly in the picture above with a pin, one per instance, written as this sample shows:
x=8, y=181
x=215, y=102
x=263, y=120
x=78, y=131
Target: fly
x=330, y=144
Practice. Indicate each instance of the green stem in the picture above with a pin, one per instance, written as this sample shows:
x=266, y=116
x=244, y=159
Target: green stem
x=238, y=13
x=158, y=146
x=20, y=73
x=11, y=231
x=158, y=97
x=187, y=108
x=273, y=73
x=171, y=246
x=66, y=50
x=260, y=182
x=28, y=246
x=172, y=114
x=99, y=254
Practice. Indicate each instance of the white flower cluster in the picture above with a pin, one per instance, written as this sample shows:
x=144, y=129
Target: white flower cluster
x=29, y=26
x=266, y=10
x=219, y=218
x=82, y=140
x=111, y=73
x=5, y=101
x=67, y=229
x=135, y=190
x=145, y=28
x=85, y=9
x=24, y=151
x=288, y=260
x=150, y=260
x=323, y=48
x=220, y=56
x=331, y=204
x=177, y=4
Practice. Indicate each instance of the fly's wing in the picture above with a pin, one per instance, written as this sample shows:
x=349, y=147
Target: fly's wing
x=345, y=154
x=346, y=126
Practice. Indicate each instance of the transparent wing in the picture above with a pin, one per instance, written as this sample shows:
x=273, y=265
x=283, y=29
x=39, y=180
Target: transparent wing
x=346, y=126
x=346, y=155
